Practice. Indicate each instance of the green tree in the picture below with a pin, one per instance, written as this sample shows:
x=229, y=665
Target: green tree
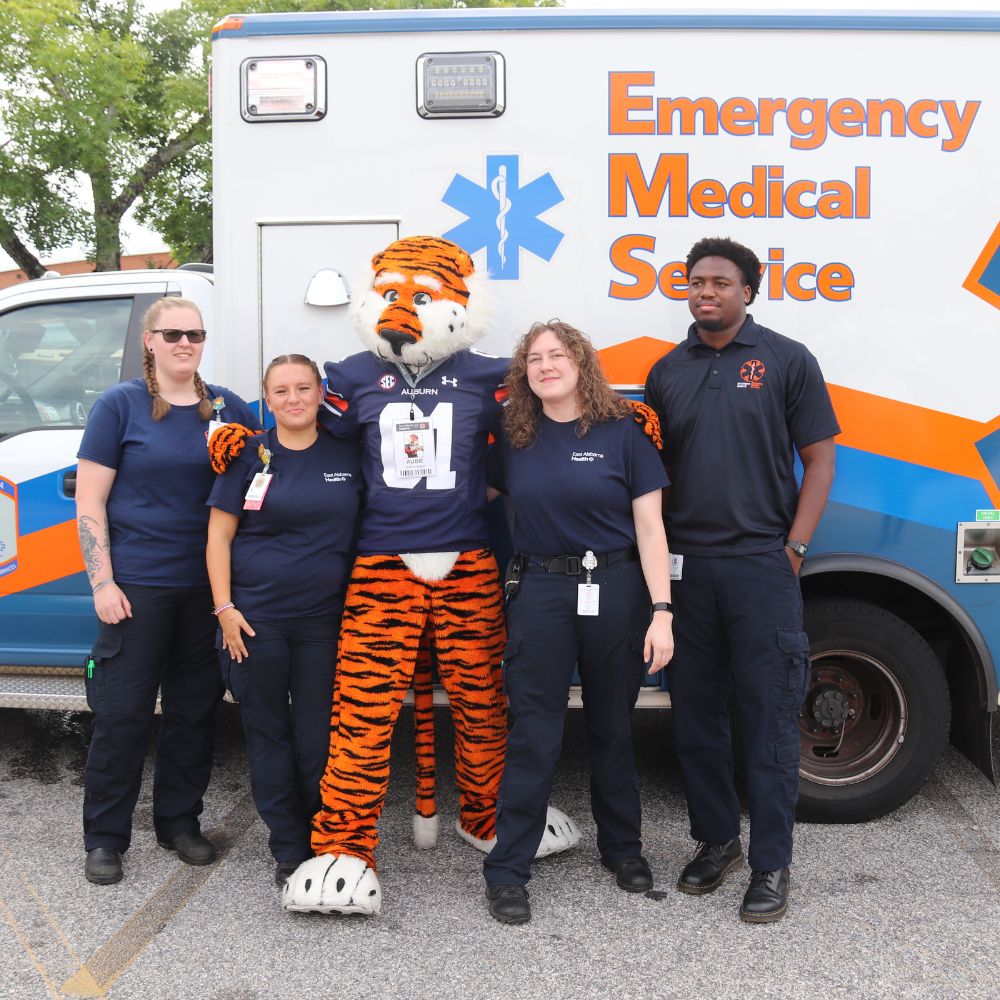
x=103, y=94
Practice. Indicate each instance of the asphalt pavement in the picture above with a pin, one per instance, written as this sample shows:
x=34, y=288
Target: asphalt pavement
x=905, y=906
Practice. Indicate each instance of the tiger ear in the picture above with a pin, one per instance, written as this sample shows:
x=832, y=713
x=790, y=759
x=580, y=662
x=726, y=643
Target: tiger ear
x=377, y=259
x=463, y=262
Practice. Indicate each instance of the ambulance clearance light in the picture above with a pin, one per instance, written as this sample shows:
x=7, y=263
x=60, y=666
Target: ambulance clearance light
x=460, y=85
x=281, y=89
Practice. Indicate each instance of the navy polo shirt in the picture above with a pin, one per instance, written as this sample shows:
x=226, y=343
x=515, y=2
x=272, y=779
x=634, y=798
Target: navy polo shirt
x=732, y=420
x=570, y=493
x=157, y=521
x=291, y=558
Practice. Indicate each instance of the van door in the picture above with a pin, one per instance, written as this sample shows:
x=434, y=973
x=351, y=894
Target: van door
x=56, y=357
x=301, y=265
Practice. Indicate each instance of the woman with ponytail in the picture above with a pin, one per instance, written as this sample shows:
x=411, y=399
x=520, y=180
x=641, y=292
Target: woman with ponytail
x=142, y=482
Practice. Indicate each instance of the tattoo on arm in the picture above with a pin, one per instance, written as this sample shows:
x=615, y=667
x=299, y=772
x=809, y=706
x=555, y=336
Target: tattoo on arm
x=95, y=547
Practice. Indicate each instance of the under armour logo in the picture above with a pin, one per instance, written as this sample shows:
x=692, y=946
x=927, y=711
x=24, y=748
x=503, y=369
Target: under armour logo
x=448, y=381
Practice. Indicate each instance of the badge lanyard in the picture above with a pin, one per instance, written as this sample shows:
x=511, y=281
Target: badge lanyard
x=254, y=499
x=588, y=595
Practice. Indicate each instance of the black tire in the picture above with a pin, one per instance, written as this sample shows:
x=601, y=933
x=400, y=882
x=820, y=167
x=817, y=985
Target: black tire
x=876, y=715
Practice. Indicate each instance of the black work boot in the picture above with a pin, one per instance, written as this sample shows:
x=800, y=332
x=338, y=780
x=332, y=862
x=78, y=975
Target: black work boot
x=709, y=866
x=509, y=904
x=767, y=898
x=103, y=866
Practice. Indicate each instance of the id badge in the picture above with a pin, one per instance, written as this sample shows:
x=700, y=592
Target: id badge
x=676, y=566
x=588, y=598
x=413, y=448
x=254, y=499
x=213, y=426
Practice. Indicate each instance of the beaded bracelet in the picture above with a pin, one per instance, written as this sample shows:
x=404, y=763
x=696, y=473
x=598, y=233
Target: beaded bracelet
x=222, y=607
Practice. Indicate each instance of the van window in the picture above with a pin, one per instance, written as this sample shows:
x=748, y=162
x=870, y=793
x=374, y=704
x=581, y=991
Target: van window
x=56, y=358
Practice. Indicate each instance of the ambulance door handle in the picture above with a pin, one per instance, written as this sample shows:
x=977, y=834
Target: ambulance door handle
x=69, y=483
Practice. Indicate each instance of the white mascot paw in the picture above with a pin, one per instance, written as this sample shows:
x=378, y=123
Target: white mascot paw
x=480, y=845
x=425, y=832
x=333, y=883
x=560, y=833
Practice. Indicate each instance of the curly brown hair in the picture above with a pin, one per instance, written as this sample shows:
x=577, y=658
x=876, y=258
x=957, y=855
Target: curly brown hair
x=597, y=400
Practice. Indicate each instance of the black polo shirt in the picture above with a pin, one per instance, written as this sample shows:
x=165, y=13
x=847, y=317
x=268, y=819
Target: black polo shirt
x=731, y=421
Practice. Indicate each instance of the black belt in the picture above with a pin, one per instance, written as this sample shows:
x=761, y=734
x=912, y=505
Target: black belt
x=573, y=565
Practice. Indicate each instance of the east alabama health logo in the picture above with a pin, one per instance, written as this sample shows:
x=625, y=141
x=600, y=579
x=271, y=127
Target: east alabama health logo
x=503, y=216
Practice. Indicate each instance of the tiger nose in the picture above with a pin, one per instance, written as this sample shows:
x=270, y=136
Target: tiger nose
x=397, y=338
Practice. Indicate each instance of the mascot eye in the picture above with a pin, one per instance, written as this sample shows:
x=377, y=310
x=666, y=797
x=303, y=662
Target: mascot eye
x=421, y=299
x=391, y=295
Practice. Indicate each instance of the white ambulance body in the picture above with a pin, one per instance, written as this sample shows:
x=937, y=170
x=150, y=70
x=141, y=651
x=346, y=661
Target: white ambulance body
x=578, y=156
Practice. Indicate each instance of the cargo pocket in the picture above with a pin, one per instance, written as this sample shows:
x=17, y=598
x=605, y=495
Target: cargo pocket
x=787, y=753
x=96, y=666
x=791, y=674
x=510, y=652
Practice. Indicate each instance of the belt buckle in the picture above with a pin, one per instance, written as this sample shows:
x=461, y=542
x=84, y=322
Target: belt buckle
x=572, y=565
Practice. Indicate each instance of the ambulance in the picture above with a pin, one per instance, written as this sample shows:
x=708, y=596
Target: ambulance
x=577, y=155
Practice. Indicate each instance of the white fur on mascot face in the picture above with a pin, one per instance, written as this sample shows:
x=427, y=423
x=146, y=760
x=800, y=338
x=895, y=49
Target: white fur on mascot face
x=423, y=302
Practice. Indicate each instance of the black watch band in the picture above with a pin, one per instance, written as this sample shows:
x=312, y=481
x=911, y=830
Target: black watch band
x=663, y=606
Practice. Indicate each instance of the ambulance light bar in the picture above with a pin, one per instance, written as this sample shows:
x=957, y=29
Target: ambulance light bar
x=460, y=85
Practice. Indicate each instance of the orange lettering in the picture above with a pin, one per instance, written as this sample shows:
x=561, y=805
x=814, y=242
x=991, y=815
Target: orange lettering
x=621, y=103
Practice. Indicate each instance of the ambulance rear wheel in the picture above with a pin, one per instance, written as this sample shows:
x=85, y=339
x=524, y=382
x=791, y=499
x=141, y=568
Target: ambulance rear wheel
x=876, y=715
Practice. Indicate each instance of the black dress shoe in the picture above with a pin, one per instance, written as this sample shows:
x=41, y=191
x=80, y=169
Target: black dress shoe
x=191, y=847
x=103, y=866
x=767, y=898
x=709, y=866
x=284, y=870
x=631, y=874
x=509, y=904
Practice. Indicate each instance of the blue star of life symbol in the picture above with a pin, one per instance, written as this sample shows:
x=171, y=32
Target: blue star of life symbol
x=503, y=216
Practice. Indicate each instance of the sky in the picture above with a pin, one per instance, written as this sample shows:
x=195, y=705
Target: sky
x=140, y=240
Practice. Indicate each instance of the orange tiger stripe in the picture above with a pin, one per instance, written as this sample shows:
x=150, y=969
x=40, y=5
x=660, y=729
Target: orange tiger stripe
x=386, y=612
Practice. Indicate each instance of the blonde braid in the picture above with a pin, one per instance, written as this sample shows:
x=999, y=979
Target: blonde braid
x=160, y=406
x=204, y=403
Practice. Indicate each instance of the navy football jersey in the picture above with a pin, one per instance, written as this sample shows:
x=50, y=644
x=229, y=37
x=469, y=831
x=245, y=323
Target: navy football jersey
x=424, y=447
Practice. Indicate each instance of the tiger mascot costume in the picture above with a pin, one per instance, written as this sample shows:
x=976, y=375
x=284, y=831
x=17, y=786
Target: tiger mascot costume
x=423, y=405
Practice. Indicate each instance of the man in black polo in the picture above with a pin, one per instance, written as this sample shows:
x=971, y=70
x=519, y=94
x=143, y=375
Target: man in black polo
x=736, y=402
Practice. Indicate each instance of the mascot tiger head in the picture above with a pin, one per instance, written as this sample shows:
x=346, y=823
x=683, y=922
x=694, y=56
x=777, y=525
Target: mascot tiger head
x=424, y=302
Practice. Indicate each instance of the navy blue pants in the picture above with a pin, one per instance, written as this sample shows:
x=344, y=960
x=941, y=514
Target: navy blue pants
x=287, y=740
x=738, y=634
x=546, y=640
x=167, y=644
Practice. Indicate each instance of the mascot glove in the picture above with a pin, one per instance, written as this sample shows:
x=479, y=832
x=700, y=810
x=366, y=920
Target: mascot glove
x=645, y=416
x=333, y=883
x=226, y=443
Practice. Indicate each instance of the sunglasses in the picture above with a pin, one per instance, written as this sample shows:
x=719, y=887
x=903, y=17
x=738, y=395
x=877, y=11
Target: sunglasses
x=174, y=336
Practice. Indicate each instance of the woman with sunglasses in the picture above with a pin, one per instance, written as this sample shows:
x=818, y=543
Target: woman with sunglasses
x=142, y=482
x=280, y=540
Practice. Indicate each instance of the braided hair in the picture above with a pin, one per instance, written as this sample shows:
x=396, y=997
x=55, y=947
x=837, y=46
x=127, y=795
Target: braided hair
x=160, y=406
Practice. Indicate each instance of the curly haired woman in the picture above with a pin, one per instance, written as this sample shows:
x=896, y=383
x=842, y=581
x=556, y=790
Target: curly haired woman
x=593, y=592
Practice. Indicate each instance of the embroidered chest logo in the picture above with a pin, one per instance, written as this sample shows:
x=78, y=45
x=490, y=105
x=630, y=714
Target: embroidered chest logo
x=587, y=456
x=449, y=381
x=387, y=382
x=752, y=374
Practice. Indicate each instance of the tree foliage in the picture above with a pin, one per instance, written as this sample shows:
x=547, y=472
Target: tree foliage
x=105, y=97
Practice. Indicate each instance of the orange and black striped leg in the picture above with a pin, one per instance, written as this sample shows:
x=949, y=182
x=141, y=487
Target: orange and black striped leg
x=385, y=612
x=425, y=819
x=469, y=636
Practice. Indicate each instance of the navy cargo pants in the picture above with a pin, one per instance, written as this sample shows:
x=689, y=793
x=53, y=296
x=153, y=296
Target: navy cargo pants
x=546, y=640
x=738, y=634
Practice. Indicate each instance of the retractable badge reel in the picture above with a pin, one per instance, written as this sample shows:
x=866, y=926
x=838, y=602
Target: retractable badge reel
x=254, y=499
x=588, y=595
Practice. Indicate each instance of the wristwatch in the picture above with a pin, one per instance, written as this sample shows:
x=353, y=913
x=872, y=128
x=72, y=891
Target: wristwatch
x=799, y=548
x=663, y=606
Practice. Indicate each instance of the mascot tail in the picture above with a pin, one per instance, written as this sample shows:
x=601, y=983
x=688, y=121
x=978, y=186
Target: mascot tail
x=425, y=819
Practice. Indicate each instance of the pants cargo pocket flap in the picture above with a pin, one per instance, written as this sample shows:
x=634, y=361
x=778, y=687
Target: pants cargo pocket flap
x=786, y=753
x=107, y=645
x=793, y=640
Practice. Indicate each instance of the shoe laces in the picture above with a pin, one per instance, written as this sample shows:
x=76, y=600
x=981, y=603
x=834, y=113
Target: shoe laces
x=758, y=879
x=512, y=890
